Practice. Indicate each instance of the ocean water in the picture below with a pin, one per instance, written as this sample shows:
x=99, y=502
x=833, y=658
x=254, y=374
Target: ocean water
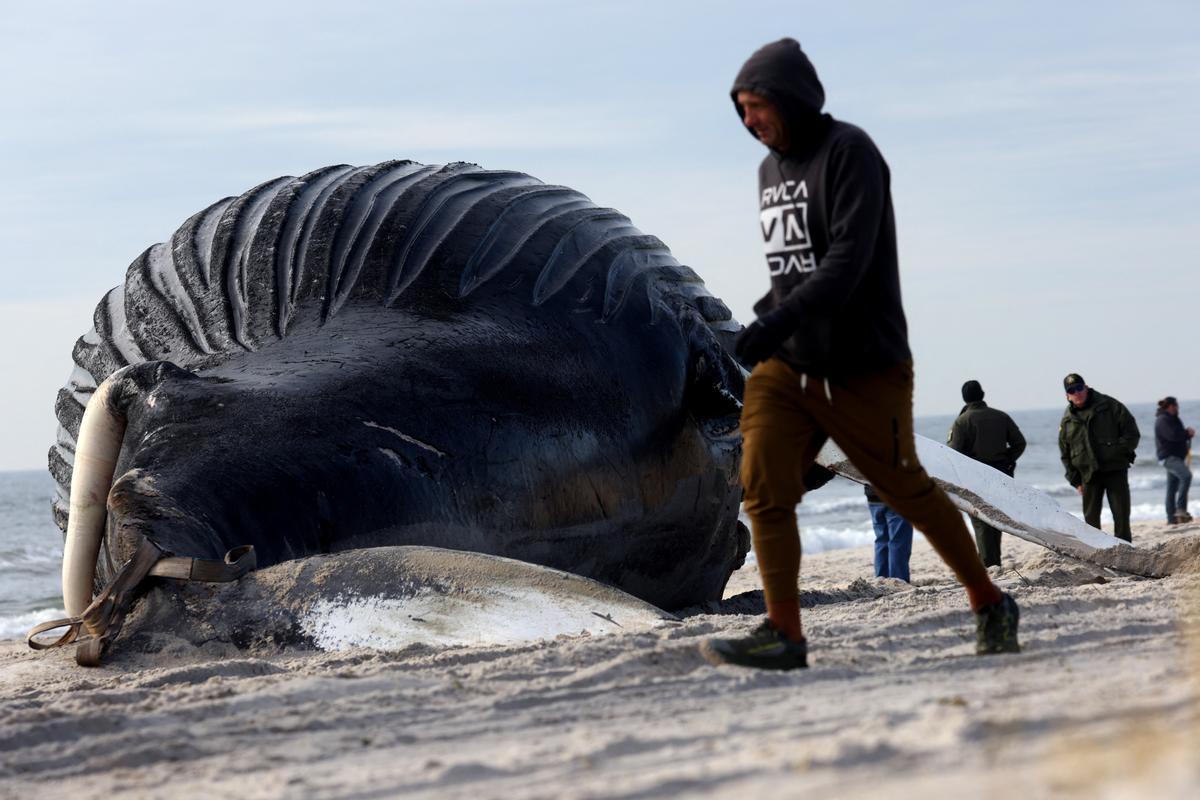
x=832, y=517
x=30, y=553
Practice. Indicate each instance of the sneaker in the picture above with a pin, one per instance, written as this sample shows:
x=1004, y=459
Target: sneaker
x=996, y=627
x=764, y=647
x=1182, y=516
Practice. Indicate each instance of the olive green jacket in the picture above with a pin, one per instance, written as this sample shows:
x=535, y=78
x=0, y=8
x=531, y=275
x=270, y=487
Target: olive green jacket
x=988, y=435
x=1100, y=437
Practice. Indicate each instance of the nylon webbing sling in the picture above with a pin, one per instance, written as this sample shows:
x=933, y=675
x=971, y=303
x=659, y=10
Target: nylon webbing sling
x=102, y=620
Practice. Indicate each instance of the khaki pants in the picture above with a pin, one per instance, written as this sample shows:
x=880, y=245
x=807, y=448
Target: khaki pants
x=787, y=417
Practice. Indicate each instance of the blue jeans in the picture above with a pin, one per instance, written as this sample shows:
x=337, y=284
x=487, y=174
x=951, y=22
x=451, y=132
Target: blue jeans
x=1179, y=480
x=893, y=542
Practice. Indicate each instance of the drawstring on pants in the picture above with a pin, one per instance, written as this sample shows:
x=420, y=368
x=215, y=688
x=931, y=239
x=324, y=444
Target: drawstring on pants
x=804, y=387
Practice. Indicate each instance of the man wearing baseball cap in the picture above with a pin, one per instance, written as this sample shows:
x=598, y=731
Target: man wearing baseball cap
x=1097, y=439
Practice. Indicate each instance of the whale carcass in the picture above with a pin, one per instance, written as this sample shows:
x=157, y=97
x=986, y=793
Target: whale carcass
x=411, y=355
x=403, y=354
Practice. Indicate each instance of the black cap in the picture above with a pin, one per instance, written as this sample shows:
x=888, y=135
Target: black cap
x=1074, y=379
x=972, y=392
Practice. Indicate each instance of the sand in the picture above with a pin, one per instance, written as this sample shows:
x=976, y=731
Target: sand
x=1101, y=703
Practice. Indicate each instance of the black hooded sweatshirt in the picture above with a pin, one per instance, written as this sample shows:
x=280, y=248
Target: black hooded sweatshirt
x=827, y=225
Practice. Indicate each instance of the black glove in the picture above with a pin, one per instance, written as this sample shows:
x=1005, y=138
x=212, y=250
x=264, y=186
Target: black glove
x=764, y=336
x=817, y=476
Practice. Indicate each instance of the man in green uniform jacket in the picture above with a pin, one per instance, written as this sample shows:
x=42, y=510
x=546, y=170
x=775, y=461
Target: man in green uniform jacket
x=990, y=436
x=1097, y=439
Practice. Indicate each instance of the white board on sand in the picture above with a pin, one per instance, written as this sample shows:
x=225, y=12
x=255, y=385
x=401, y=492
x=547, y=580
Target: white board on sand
x=990, y=495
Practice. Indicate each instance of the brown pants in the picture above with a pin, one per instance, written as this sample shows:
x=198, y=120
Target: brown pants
x=787, y=417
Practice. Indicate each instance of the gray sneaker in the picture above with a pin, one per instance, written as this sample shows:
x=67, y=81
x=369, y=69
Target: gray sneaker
x=996, y=627
x=765, y=647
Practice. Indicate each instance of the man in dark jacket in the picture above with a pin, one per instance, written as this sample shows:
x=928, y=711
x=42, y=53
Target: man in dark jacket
x=988, y=435
x=1097, y=440
x=1172, y=443
x=829, y=353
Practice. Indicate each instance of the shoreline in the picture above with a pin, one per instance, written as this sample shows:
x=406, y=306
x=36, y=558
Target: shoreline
x=1101, y=702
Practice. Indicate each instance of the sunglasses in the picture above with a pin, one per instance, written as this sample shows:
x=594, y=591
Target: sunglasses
x=1076, y=389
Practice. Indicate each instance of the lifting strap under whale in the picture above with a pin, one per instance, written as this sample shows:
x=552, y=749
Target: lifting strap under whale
x=103, y=619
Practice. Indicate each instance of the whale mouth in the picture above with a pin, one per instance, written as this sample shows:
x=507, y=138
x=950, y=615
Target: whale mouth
x=137, y=510
x=98, y=449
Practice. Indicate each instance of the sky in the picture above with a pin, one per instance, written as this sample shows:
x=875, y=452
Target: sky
x=1045, y=157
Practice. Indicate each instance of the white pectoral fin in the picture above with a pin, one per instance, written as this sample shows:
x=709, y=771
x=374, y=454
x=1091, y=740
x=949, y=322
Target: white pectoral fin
x=991, y=496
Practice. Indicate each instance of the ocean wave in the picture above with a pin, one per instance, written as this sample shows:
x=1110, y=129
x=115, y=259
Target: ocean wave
x=820, y=539
x=1143, y=482
x=1140, y=512
x=812, y=508
x=31, y=556
x=1137, y=483
x=17, y=625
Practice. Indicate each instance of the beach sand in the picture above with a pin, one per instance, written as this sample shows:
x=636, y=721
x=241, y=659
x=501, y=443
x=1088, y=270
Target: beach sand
x=1101, y=703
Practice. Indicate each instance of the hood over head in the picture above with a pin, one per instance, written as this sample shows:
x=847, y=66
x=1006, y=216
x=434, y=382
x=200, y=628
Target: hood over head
x=782, y=73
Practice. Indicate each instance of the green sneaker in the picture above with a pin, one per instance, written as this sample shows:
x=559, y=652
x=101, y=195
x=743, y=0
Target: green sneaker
x=764, y=648
x=996, y=627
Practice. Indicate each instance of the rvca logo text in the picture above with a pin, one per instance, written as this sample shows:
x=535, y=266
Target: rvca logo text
x=784, y=220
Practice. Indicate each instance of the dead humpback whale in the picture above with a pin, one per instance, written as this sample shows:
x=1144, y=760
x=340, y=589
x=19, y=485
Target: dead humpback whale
x=370, y=357
x=403, y=354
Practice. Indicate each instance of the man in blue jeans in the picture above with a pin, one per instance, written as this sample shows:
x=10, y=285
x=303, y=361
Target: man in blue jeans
x=893, y=538
x=1173, y=442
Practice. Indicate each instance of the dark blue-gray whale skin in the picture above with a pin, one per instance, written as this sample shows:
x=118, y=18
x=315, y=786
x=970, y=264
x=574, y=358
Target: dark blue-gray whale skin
x=405, y=354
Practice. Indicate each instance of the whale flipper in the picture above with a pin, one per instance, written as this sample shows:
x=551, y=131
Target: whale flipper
x=989, y=495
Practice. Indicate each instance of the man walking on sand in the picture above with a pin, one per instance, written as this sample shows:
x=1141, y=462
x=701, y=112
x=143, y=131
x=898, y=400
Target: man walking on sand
x=829, y=353
x=1172, y=443
x=1097, y=440
x=988, y=435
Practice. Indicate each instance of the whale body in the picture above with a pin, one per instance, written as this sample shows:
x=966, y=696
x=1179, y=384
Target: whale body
x=403, y=354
